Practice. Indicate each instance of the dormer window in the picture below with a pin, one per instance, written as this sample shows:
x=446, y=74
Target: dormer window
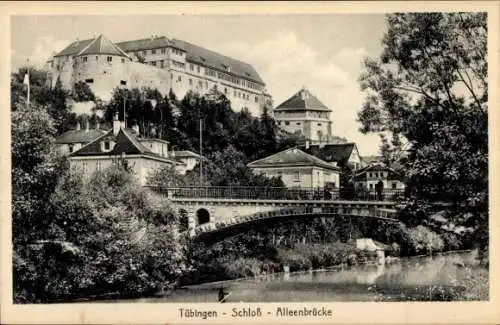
x=107, y=145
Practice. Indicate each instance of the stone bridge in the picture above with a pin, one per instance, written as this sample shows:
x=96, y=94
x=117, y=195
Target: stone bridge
x=210, y=215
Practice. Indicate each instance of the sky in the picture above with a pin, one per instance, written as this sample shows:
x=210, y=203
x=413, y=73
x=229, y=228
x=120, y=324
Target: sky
x=323, y=52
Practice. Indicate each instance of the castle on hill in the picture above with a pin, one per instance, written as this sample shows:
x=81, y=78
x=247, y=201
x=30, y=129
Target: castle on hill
x=158, y=62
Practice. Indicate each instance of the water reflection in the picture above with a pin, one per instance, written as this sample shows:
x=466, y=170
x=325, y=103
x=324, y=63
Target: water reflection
x=358, y=283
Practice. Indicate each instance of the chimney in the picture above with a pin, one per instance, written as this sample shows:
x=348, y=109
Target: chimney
x=78, y=126
x=116, y=125
x=86, y=125
x=307, y=144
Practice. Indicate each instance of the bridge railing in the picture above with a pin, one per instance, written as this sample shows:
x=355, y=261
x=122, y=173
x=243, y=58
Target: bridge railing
x=277, y=193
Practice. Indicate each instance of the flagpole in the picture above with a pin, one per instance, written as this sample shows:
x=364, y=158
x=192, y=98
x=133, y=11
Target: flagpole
x=28, y=74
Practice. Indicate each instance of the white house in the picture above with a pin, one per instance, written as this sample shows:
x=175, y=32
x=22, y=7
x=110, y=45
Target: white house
x=298, y=169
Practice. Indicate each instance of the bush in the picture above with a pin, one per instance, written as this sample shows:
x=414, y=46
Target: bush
x=243, y=268
x=125, y=244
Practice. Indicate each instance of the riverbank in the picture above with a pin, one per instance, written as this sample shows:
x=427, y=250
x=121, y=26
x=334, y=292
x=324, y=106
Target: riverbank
x=443, y=277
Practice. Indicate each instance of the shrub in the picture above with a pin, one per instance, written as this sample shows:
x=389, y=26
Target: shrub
x=243, y=267
x=125, y=243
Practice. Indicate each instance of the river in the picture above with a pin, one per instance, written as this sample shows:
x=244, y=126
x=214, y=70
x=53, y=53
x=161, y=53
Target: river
x=405, y=279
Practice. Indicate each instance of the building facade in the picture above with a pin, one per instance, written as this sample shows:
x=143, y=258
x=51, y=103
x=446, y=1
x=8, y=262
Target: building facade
x=367, y=178
x=298, y=169
x=143, y=156
x=304, y=114
x=161, y=63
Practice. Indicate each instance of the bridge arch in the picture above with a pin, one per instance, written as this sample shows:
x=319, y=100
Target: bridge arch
x=203, y=216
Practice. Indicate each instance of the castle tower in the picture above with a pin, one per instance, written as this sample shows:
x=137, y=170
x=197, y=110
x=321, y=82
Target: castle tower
x=303, y=113
x=102, y=65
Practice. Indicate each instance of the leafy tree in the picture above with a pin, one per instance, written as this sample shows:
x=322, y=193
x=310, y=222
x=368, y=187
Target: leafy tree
x=123, y=242
x=35, y=167
x=429, y=90
x=82, y=92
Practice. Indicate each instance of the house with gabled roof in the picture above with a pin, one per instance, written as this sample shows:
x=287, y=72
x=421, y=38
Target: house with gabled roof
x=298, y=169
x=344, y=154
x=72, y=140
x=367, y=177
x=143, y=156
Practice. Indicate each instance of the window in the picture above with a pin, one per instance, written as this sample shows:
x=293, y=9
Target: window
x=369, y=174
x=84, y=59
x=191, y=67
x=319, y=124
x=200, y=83
x=394, y=185
x=179, y=78
x=287, y=123
x=153, y=63
x=190, y=82
x=98, y=165
x=298, y=123
x=153, y=51
x=89, y=81
x=123, y=82
x=371, y=186
x=235, y=93
x=206, y=84
x=71, y=148
x=198, y=68
x=109, y=58
x=162, y=51
x=256, y=99
x=296, y=177
x=123, y=60
x=85, y=167
x=106, y=145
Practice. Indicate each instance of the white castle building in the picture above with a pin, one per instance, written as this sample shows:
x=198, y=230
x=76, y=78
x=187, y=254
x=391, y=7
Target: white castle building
x=161, y=63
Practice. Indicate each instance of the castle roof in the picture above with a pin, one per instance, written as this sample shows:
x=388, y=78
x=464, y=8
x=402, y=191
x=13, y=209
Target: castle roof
x=292, y=157
x=211, y=59
x=75, y=47
x=97, y=45
x=145, y=44
x=102, y=45
x=302, y=100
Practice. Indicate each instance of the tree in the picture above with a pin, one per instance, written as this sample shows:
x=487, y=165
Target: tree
x=428, y=89
x=35, y=170
x=123, y=241
x=82, y=92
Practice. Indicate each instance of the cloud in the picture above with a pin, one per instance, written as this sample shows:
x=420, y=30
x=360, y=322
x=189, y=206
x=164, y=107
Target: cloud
x=287, y=63
x=43, y=49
